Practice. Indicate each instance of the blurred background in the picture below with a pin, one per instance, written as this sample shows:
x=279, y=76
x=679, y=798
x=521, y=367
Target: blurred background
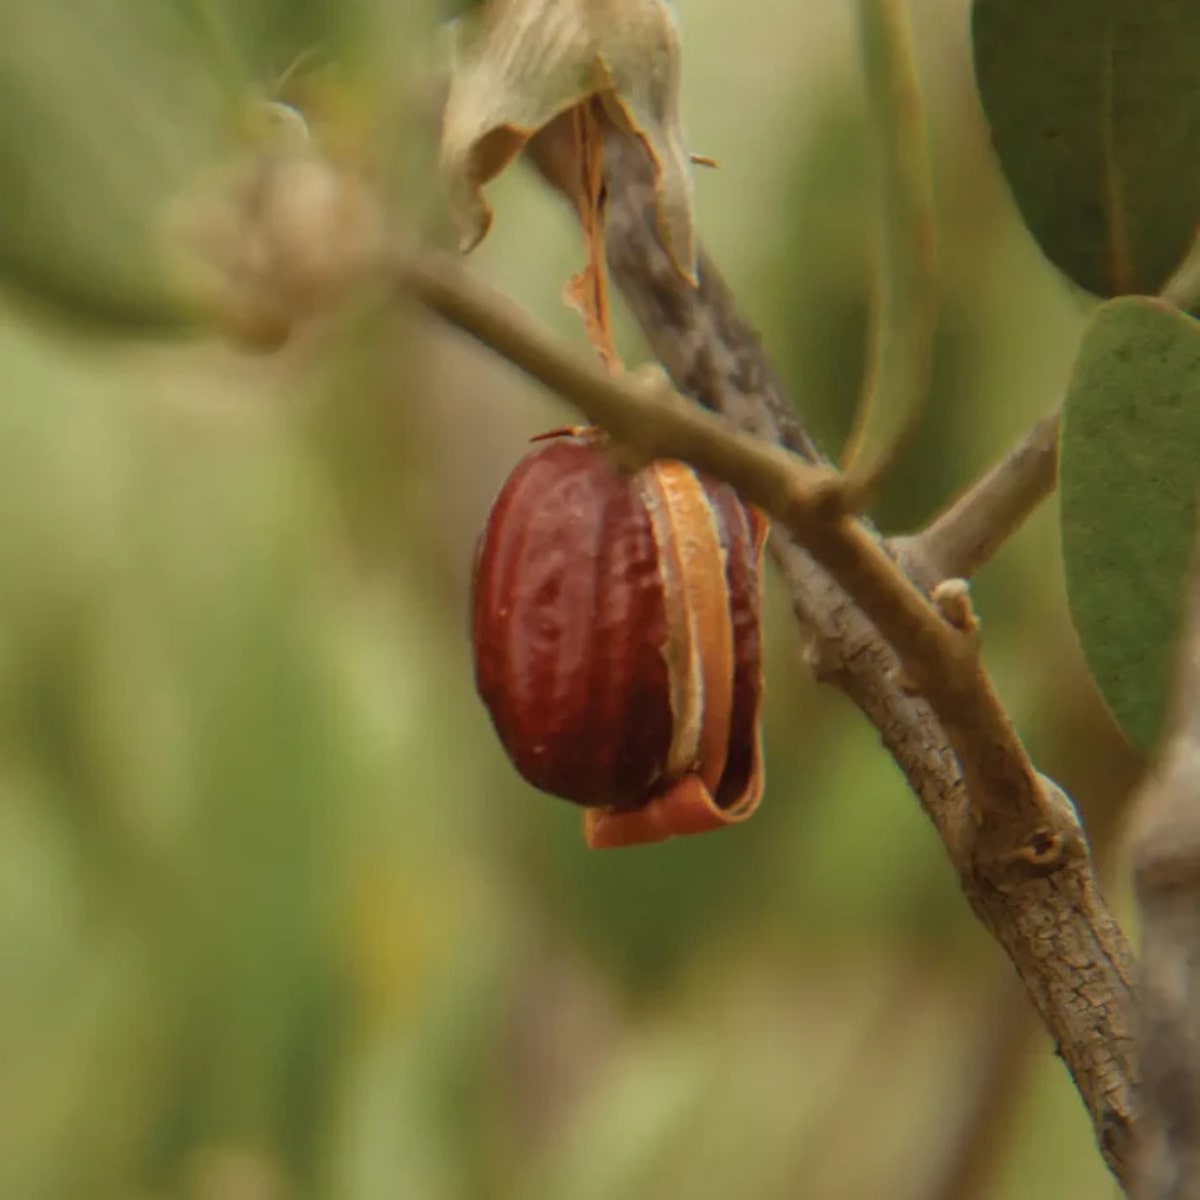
x=277, y=919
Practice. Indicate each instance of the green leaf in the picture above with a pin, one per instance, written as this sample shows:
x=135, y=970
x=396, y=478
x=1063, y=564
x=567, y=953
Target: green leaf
x=1130, y=475
x=1095, y=113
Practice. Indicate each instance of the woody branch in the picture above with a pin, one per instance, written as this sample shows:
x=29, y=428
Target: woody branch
x=1011, y=834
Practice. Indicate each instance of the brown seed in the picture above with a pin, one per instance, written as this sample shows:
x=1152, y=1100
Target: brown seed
x=616, y=626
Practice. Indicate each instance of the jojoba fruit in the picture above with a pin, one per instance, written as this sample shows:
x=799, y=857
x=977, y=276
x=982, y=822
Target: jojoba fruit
x=616, y=624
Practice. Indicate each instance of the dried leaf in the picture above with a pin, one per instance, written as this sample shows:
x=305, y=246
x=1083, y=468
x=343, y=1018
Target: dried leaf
x=521, y=63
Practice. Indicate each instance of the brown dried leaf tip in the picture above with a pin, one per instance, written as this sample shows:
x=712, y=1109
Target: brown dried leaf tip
x=522, y=63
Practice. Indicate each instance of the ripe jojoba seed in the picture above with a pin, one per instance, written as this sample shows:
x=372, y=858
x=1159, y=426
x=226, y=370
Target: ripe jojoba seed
x=616, y=625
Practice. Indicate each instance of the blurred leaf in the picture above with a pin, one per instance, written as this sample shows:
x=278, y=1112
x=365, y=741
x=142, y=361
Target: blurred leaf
x=112, y=112
x=1096, y=119
x=91, y=149
x=261, y=40
x=1130, y=476
x=638, y=1113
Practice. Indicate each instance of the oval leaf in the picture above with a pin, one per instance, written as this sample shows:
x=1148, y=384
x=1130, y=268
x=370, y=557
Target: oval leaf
x=1130, y=475
x=1095, y=115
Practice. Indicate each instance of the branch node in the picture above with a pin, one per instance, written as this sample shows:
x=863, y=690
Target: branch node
x=952, y=599
x=911, y=556
x=1045, y=851
x=1049, y=839
x=830, y=498
x=651, y=379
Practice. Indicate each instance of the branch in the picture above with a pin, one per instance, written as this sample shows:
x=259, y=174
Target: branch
x=1050, y=918
x=1017, y=844
x=1167, y=878
x=966, y=535
x=901, y=360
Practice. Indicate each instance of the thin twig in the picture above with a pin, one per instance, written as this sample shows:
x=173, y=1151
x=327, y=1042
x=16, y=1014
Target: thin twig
x=1167, y=877
x=905, y=318
x=968, y=533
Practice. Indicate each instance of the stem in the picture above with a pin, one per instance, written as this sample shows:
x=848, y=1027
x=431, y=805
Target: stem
x=966, y=535
x=902, y=348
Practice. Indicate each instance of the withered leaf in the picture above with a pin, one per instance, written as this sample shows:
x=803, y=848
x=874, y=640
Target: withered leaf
x=521, y=63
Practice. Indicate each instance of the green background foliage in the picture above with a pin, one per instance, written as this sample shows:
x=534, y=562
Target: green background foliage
x=277, y=918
